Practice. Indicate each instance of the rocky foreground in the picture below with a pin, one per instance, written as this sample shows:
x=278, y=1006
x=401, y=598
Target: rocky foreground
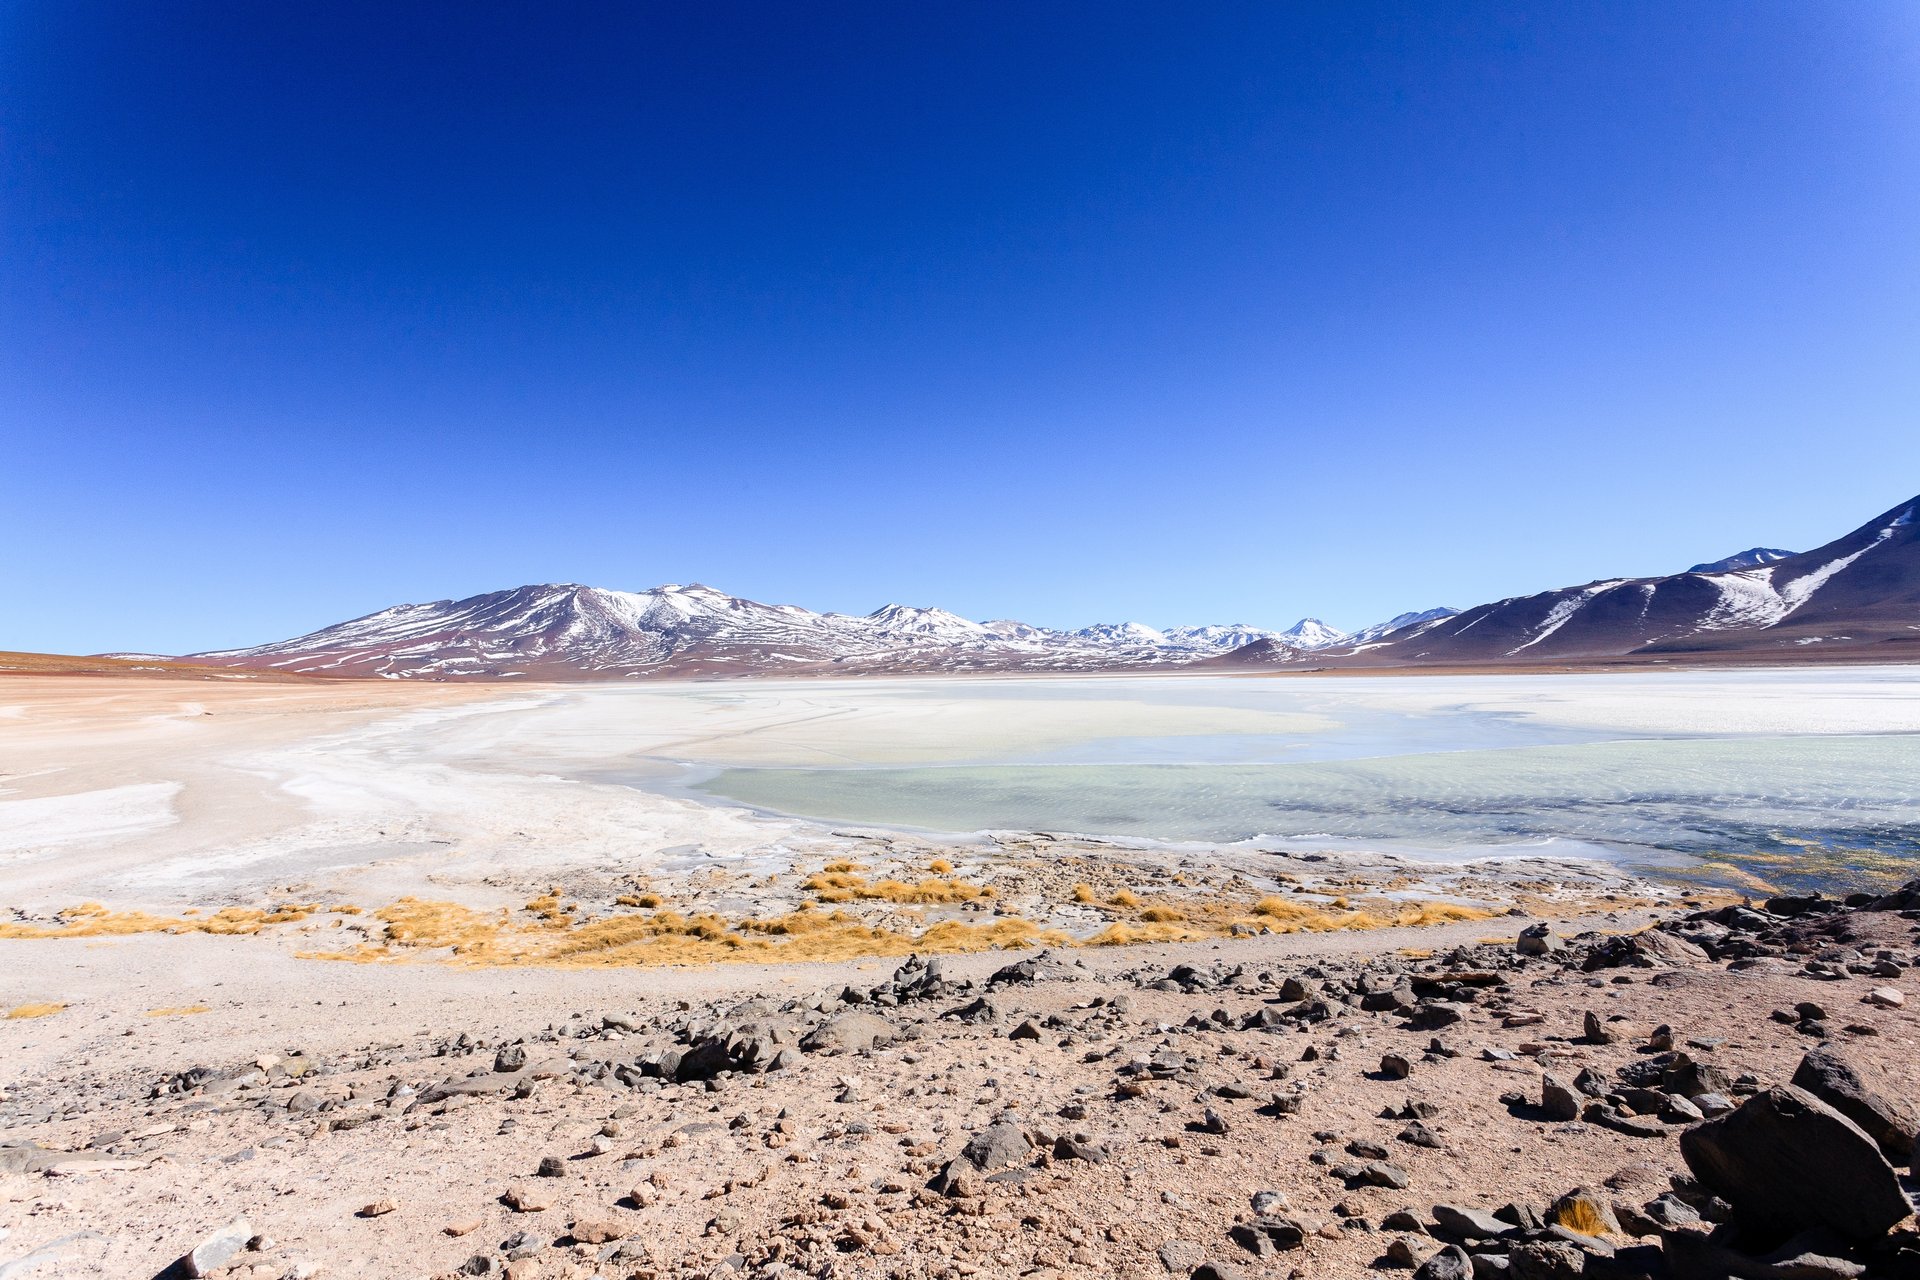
x=1729, y=1093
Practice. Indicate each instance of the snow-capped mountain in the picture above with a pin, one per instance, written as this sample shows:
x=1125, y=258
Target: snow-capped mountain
x=1120, y=635
x=1859, y=593
x=571, y=632
x=1311, y=633
x=1216, y=639
x=1751, y=558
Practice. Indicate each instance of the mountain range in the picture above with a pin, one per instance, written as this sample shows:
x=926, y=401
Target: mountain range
x=1857, y=596
x=565, y=631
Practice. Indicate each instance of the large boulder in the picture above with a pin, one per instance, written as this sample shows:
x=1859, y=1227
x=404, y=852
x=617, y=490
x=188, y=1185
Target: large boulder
x=1001, y=1146
x=1648, y=949
x=1789, y=1158
x=217, y=1251
x=1538, y=940
x=1905, y=898
x=1045, y=967
x=1889, y=1120
x=850, y=1033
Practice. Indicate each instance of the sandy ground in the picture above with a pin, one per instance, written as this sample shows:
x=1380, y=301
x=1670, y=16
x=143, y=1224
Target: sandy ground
x=359, y=1165
x=180, y=799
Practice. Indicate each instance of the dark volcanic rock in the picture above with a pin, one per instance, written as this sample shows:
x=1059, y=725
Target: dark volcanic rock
x=1469, y=1224
x=1000, y=1145
x=1890, y=1121
x=1451, y=1263
x=1557, y=1100
x=1785, y=1156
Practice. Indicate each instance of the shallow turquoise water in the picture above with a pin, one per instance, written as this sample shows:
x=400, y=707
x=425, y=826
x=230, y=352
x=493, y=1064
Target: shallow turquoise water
x=1647, y=801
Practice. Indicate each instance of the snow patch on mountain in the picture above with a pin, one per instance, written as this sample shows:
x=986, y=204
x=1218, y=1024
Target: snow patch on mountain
x=1563, y=611
x=1422, y=618
x=1751, y=558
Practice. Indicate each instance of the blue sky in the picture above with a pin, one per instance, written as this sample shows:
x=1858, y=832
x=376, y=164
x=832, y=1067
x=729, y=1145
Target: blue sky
x=1228, y=312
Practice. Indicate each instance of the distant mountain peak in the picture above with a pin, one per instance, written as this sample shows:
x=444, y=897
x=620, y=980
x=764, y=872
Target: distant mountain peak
x=1311, y=633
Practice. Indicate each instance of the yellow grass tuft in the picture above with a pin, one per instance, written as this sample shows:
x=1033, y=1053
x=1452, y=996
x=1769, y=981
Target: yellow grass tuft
x=846, y=886
x=1124, y=898
x=45, y=1010
x=177, y=1011
x=1579, y=1214
x=1161, y=914
x=91, y=920
x=1121, y=934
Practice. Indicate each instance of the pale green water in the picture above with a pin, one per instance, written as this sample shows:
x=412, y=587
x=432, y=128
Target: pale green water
x=1544, y=788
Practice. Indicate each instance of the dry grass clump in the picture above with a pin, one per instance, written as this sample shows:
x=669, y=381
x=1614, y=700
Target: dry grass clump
x=848, y=886
x=550, y=910
x=1005, y=934
x=1122, y=933
x=413, y=923
x=1197, y=919
x=177, y=1011
x=551, y=938
x=91, y=920
x=45, y=1009
x=644, y=929
x=1289, y=915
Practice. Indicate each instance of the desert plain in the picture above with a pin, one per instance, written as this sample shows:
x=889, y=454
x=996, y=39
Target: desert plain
x=385, y=979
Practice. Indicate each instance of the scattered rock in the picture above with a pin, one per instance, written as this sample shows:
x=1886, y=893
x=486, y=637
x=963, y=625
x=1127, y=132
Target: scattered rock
x=596, y=1230
x=1788, y=1157
x=525, y=1198
x=1469, y=1224
x=1451, y=1263
x=849, y=1033
x=1891, y=1121
x=1559, y=1102
x=1538, y=940
x=217, y=1250
x=1182, y=1255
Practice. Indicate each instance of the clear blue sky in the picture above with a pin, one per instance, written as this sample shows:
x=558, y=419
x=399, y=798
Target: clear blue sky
x=1217, y=312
